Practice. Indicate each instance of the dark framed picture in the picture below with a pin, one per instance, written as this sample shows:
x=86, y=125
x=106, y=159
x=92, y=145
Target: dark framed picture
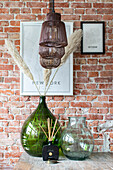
x=93, y=40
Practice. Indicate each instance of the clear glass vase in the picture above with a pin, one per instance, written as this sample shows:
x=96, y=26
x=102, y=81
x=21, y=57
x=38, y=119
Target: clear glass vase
x=76, y=140
x=32, y=136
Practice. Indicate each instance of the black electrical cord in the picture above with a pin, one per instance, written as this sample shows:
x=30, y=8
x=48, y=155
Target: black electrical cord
x=53, y=10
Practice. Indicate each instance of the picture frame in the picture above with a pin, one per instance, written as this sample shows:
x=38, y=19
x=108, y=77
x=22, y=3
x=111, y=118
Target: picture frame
x=29, y=44
x=93, y=40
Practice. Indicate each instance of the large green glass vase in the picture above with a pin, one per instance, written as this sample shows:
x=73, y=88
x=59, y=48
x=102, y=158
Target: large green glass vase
x=32, y=137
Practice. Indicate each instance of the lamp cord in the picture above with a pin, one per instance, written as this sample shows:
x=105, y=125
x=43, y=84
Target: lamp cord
x=53, y=7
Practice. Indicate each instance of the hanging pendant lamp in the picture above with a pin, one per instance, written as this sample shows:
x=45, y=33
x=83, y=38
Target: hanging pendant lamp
x=53, y=33
x=53, y=40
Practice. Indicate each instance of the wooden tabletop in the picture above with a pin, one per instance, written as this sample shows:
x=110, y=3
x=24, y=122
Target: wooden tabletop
x=97, y=161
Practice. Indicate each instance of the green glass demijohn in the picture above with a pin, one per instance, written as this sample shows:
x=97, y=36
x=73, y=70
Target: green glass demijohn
x=32, y=136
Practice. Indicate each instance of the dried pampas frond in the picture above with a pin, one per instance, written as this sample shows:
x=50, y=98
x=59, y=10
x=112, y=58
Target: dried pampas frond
x=47, y=74
x=19, y=60
x=73, y=43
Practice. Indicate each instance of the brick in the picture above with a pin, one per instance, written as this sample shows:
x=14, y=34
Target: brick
x=102, y=98
x=68, y=98
x=6, y=67
x=13, y=154
x=107, y=17
x=105, y=86
x=36, y=10
x=103, y=5
x=102, y=80
x=68, y=11
x=79, y=86
x=110, y=98
x=26, y=10
x=2, y=42
x=12, y=29
x=93, y=110
x=108, y=105
x=91, y=92
x=91, y=86
x=90, y=11
x=6, y=117
x=110, y=23
x=77, y=67
x=105, y=11
x=80, y=104
x=94, y=117
x=82, y=80
x=59, y=98
x=4, y=23
x=93, y=74
x=26, y=17
x=108, y=92
x=14, y=4
x=81, y=98
x=91, y=98
x=12, y=80
x=109, y=42
x=59, y=110
x=14, y=10
x=81, y=5
x=109, y=117
x=4, y=11
x=81, y=61
x=14, y=35
x=4, y=110
x=81, y=74
x=76, y=92
x=111, y=111
x=70, y=17
x=92, y=61
x=41, y=17
x=1, y=4
x=97, y=104
x=92, y=68
x=92, y=17
x=14, y=123
x=36, y=4
x=63, y=5
x=79, y=11
x=103, y=111
x=12, y=129
x=71, y=110
x=109, y=67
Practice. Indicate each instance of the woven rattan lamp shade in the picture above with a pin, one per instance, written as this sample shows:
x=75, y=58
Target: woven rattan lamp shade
x=53, y=33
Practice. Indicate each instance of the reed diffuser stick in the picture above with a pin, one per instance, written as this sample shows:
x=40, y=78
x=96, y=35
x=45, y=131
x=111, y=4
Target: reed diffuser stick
x=57, y=131
x=54, y=129
x=44, y=131
x=49, y=129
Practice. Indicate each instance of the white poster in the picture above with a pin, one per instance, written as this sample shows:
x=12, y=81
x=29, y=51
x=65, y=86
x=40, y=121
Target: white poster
x=93, y=38
x=63, y=81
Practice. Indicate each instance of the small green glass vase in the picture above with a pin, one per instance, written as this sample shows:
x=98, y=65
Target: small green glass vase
x=32, y=136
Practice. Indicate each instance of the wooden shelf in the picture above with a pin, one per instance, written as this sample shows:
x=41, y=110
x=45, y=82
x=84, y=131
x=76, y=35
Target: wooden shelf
x=97, y=161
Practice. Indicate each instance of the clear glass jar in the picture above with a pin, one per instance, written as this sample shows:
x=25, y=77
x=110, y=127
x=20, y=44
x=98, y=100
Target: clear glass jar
x=76, y=140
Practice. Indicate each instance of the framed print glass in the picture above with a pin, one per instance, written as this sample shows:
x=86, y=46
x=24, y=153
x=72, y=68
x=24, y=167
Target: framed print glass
x=93, y=40
x=29, y=49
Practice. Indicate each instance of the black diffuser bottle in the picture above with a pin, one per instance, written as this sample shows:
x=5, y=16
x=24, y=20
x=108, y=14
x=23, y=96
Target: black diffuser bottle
x=50, y=152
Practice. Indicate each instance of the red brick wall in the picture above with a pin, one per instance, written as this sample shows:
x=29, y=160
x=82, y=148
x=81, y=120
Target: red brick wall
x=93, y=74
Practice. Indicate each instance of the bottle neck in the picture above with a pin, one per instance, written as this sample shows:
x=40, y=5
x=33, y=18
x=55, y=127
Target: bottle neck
x=42, y=100
x=77, y=121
